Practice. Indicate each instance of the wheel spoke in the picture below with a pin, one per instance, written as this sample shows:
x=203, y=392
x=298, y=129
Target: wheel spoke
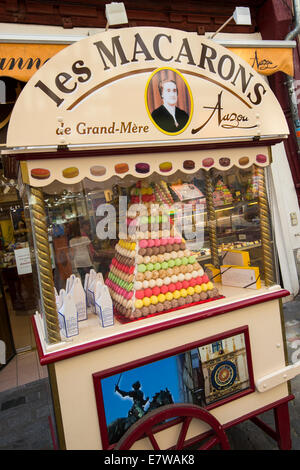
x=183, y=432
x=210, y=443
x=152, y=440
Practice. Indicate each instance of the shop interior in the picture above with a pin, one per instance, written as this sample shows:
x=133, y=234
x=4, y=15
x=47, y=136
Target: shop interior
x=17, y=300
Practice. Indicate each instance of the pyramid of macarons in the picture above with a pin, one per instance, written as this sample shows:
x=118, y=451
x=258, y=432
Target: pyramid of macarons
x=153, y=271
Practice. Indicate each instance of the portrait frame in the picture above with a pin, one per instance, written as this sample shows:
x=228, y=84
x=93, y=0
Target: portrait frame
x=145, y=367
x=153, y=99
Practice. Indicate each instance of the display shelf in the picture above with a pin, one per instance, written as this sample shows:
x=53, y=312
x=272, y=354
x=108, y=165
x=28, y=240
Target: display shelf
x=207, y=257
x=92, y=336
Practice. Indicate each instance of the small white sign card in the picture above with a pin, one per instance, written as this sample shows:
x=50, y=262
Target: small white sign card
x=68, y=318
x=89, y=292
x=23, y=261
x=104, y=306
x=79, y=298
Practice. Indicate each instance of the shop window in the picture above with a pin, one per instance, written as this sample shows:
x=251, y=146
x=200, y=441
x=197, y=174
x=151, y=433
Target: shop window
x=155, y=262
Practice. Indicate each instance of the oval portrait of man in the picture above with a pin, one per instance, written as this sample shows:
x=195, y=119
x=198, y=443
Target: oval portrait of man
x=169, y=101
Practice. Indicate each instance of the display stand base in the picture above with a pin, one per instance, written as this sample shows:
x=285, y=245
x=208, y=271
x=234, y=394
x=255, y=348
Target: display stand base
x=122, y=319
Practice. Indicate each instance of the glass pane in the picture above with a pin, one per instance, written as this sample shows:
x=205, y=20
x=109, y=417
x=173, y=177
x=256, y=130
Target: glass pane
x=94, y=226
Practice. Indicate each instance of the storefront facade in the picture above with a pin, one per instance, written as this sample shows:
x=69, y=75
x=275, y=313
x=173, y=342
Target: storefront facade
x=188, y=276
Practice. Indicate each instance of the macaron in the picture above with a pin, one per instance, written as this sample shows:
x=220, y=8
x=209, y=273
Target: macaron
x=152, y=309
x=70, y=172
x=139, y=294
x=121, y=168
x=161, y=298
x=97, y=170
x=155, y=291
x=40, y=173
x=165, y=166
x=141, y=268
x=155, y=274
x=147, y=292
x=190, y=290
x=145, y=311
x=164, y=289
x=183, y=292
x=138, y=303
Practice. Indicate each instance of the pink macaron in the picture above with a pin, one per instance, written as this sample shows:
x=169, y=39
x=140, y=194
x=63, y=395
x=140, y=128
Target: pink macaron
x=156, y=291
x=139, y=294
x=143, y=243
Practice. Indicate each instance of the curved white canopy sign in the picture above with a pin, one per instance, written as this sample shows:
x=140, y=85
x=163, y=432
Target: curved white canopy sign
x=144, y=86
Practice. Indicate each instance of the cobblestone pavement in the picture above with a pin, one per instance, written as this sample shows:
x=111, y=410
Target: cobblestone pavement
x=24, y=417
x=25, y=410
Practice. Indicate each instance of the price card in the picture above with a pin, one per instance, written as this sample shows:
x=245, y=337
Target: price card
x=23, y=261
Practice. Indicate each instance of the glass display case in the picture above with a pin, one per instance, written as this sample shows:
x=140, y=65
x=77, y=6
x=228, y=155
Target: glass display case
x=159, y=241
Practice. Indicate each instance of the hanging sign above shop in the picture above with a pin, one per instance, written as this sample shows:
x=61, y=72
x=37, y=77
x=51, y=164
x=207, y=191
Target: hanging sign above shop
x=144, y=86
x=21, y=61
x=267, y=60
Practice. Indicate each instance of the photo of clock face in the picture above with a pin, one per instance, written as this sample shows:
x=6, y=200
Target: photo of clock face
x=224, y=364
x=223, y=375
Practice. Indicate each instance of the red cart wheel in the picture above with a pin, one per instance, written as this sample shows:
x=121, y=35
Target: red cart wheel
x=144, y=427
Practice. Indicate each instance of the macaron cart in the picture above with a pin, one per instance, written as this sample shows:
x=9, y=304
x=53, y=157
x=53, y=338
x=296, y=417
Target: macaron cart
x=177, y=313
